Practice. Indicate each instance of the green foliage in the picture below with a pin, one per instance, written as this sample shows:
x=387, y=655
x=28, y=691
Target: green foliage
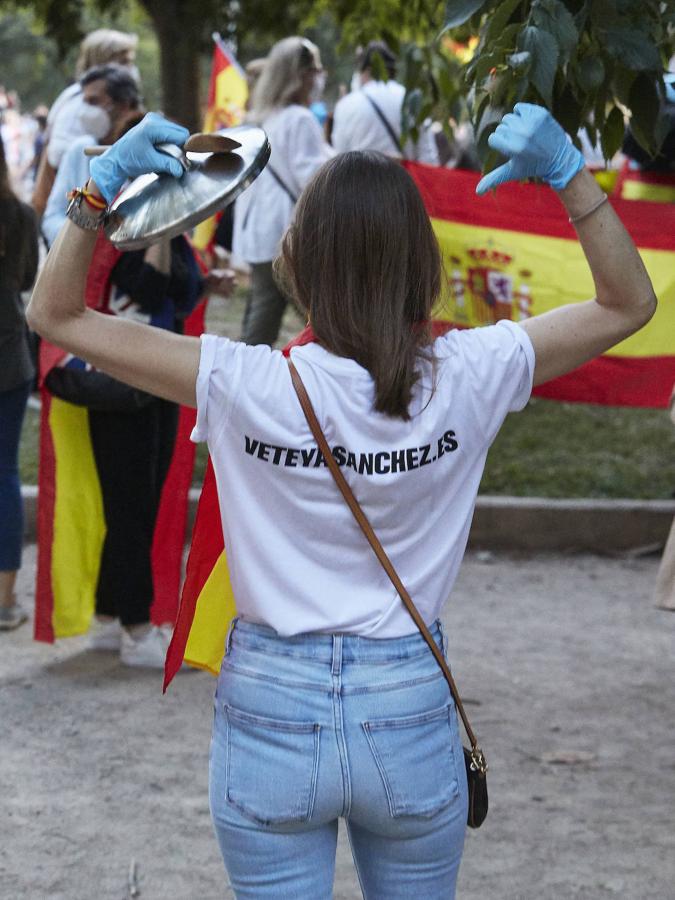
x=586, y=60
x=29, y=62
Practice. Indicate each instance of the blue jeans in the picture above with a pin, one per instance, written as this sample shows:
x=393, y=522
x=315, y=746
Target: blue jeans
x=316, y=727
x=12, y=409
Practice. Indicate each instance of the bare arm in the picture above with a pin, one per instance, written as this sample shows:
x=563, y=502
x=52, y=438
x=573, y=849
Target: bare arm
x=571, y=335
x=152, y=359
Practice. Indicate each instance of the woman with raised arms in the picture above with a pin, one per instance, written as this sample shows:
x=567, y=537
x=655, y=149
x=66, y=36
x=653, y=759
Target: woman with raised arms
x=329, y=703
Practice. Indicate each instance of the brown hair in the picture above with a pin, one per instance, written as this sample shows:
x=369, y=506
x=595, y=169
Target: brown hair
x=5, y=187
x=361, y=259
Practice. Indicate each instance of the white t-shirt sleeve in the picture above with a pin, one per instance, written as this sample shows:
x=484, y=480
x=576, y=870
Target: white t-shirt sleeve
x=220, y=364
x=497, y=368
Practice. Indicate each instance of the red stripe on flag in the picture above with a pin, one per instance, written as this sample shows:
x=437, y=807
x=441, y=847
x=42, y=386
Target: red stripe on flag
x=205, y=549
x=616, y=381
x=220, y=63
x=450, y=194
x=44, y=597
x=169, y=536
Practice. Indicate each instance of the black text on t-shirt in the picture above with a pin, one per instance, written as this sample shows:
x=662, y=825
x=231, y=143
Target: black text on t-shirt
x=377, y=462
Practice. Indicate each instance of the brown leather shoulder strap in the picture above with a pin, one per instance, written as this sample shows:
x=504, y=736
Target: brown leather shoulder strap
x=378, y=549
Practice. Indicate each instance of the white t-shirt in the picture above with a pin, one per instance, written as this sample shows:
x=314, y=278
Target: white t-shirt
x=297, y=559
x=64, y=123
x=264, y=210
x=356, y=125
x=72, y=172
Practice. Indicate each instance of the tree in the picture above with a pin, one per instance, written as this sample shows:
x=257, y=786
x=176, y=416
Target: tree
x=183, y=32
x=588, y=61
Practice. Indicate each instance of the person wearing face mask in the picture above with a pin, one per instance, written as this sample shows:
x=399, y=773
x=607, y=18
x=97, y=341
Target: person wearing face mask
x=369, y=117
x=110, y=97
x=290, y=81
x=100, y=47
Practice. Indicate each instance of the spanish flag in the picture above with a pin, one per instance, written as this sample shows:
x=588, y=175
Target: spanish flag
x=71, y=520
x=507, y=256
x=633, y=184
x=228, y=93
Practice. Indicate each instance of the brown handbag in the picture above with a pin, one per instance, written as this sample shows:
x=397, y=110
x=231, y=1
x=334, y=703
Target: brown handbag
x=476, y=766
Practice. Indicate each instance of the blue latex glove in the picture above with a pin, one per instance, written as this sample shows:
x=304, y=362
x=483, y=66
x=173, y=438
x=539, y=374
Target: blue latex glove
x=536, y=147
x=135, y=154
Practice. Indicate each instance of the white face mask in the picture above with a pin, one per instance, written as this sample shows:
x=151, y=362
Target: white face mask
x=355, y=84
x=318, y=86
x=95, y=120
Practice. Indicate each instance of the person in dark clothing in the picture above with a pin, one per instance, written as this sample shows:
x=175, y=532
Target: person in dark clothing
x=18, y=265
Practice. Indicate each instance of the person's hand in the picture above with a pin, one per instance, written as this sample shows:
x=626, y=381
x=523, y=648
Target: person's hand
x=221, y=282
x=135, y=154
x=536, y=146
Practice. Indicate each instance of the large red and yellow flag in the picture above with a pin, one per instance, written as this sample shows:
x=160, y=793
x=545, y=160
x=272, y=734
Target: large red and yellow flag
x=511, y=255
x=226, y=104
x=514, y=254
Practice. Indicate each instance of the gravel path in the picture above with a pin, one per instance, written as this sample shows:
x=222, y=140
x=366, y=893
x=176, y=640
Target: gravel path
x=568, y=670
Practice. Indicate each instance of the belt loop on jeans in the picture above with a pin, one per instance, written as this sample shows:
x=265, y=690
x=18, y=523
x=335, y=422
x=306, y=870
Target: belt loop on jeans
x=228, y=636
x=336, y=665
x=444, y=638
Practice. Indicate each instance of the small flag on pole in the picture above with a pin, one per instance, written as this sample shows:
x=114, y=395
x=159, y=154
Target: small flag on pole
x=228, y=93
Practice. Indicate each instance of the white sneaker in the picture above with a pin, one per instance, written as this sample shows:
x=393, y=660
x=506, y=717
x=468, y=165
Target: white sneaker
x=105, y=635
x=12, y=616
x=146, y=652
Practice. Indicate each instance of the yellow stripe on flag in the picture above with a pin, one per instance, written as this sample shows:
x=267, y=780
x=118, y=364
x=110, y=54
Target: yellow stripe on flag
x=215, y=610
x=79, y=523
x=494, y=274
x=641, y=190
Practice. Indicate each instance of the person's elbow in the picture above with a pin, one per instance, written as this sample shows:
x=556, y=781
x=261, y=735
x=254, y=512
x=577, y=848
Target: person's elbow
x=643, y=310
x=36, y=318
x=48, y=319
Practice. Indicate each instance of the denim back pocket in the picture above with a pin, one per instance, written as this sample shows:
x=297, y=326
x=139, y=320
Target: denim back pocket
x=272, y=767
x=416, y=759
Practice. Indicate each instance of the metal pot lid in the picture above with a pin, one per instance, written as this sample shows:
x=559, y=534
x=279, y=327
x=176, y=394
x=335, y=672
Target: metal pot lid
x=162, y=206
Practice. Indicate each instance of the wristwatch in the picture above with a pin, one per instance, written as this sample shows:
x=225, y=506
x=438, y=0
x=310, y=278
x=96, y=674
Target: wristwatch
x=83, y=217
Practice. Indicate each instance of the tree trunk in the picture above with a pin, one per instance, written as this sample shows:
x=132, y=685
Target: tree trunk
x=179, y=35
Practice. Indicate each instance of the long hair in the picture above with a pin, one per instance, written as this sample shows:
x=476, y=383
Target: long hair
x=8, y=206
x=281, y=80
x=361, y=259
x=6, y=191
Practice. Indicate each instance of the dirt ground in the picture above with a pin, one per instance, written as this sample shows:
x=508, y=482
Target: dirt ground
x=569, y=674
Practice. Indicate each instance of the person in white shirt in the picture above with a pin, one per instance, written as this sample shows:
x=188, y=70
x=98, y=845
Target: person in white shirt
x=64, y=120
x=110, y=96
x=369, y=117
x=329, y=703
x=291, y=79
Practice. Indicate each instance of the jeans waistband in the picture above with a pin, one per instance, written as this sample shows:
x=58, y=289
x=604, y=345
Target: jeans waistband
x=320, y=647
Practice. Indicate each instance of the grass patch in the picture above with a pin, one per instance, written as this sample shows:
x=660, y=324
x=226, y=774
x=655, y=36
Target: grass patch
x=548, y=450
x=555, y=449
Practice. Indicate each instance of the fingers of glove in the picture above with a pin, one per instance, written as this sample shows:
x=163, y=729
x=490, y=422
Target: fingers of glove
x=505, y=141
x=530, y=110
x=160, y=130
x=496, y=177
x=156, y=161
